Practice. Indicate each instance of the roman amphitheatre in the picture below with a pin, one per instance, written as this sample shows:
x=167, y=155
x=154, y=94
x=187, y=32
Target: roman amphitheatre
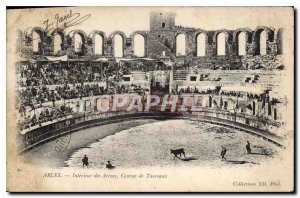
x=65, y=79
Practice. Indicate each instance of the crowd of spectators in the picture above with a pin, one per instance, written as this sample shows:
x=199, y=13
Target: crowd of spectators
x=48, y=114
x=38, y=95
x=78, y=80
x=196, y=91
x=263, y=97
x=121, y=89
x=181, y=66
x=69, y=78
x=145, y=66
x=51, y=73
x=34, y=97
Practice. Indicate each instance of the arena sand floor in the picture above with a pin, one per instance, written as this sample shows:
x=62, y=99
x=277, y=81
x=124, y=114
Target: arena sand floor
x=149, y=145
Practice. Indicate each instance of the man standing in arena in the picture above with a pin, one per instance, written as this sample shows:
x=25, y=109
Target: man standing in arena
x=223, y=153
x=85, y=161
x=248, y=147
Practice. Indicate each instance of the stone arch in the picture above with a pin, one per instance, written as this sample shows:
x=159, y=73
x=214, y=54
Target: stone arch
x=177, y=47
x=247, y=31
x=62, y=35
x=111, y=40
x=39, y=30
x=84, y=38
x=257, y=37
x=248, y=38
x=41, y=36
x=143, y=34
x=270, y=33
x=81, y=32
x=196, y=37
x=92, y=36
x=226, y=32
x=228, y=40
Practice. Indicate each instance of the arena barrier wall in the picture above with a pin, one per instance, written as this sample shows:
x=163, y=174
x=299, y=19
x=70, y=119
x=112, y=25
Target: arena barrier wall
x=43, y=134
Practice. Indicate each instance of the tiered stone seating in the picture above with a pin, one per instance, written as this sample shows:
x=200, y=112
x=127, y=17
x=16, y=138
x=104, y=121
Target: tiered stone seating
x=252, y=81
x=180, y=74
x=139, y=75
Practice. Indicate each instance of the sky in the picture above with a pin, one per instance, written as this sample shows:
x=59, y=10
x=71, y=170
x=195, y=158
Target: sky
x=129, y=19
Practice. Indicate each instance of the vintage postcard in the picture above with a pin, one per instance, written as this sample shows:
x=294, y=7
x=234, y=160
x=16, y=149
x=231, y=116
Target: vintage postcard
x=150, y=99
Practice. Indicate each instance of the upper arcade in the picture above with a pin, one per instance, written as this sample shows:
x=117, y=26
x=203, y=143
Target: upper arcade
x=163, y=39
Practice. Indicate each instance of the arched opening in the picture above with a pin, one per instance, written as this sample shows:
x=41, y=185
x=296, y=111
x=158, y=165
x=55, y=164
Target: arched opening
x=253, y=108
x=215, y=104
x=36, y=42
x=79, y=43
x=201, y=45
x=139, y=45
x=118, y=45
x=98, y=44
x=225, y=105
x=279, y=42
x=221, y=44
x=263, y=43
x=57, y=42
x=242, y=44
x=209, y=101
x=269, y=109
x=180, y=45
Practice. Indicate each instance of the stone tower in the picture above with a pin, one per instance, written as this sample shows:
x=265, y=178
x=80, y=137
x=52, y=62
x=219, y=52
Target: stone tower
x=162, y=21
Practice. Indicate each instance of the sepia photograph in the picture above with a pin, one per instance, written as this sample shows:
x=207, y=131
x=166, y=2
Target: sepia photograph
x=150, y=99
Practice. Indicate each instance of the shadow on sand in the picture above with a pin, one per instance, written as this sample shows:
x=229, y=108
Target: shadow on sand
x=247, y=162
x=187, y=158
x=239, y=162
x=264, y=153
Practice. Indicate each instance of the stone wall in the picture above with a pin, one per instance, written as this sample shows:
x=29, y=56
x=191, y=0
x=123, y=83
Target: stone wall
x=161, y=39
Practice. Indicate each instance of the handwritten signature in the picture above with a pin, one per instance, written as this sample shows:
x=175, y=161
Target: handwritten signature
x=61, y=23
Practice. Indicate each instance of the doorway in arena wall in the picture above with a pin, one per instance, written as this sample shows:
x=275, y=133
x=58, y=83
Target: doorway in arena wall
x=159, y=83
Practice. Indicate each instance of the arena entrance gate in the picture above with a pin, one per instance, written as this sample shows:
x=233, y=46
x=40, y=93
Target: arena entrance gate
x=159, y=83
